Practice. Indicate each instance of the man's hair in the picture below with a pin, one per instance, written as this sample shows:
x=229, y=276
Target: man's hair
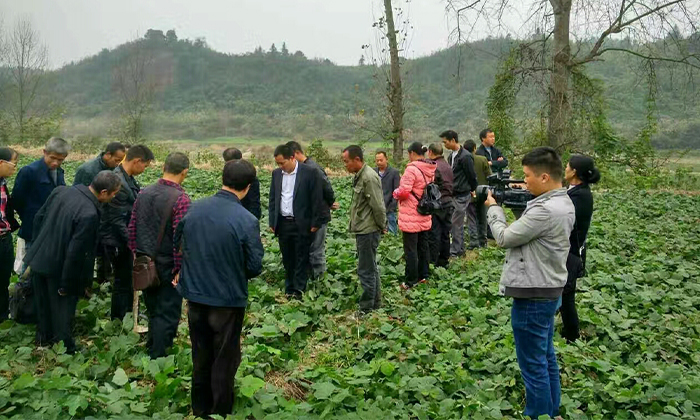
x=285, y=151
x=485, y=132
x=57, y=145
x=355, y=151
x=382, y=152
x=7, y=154
x=232, y=154
x=238, y=174
x=106, y=180
x=544, y=160
x=295, y=146
x=139, y=152
x=450, y=135
x=175, y=163
x=115, y=147
x=435, y=148
x=470, y=145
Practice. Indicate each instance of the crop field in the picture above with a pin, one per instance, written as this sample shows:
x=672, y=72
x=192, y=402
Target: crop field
x=443, y=350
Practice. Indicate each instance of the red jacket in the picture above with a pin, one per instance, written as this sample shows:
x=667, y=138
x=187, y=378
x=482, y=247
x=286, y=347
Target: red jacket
x=416, y=176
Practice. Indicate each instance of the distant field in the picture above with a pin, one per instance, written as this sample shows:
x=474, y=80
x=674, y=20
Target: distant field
x=690, y=160
x=258, y=146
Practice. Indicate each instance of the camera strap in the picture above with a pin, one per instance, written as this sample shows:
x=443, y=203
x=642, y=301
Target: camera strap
x=424, y=180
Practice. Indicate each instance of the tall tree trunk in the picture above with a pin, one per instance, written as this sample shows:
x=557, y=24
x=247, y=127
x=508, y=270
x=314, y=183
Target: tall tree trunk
x=559, y=106
x=395, y=91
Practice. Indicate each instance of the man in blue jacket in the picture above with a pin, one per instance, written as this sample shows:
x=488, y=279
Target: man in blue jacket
x=34, y=184
x=221, y=250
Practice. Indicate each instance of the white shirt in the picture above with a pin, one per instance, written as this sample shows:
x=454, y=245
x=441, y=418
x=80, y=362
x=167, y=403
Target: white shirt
x=287, y=199
x=454, y=157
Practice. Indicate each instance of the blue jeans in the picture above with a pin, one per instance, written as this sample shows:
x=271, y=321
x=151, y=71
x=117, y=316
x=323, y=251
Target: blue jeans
x=392, y=222
x=533, y=331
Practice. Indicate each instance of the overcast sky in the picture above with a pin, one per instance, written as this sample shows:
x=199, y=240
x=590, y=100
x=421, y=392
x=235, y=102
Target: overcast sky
x=334, y=29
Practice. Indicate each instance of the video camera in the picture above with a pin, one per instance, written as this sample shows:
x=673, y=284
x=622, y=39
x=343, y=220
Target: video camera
x=505, y=195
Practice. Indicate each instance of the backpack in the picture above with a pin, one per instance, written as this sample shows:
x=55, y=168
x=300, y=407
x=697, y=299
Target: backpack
x=429, y=202
x=22, y=303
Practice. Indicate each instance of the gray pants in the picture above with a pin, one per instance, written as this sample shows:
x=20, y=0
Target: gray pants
x=476, y=217
x=367, y=271
x=461, y=204
x=317, y=255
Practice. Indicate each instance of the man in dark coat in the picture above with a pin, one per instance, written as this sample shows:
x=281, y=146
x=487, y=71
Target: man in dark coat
x=497, y=161
x=221, y=250
x=294, y=215
x=390, y=181
x=462, y=163
x=317, y=255
x=442, y=219
x=61, y=259
x=8, y=224
x=157, y=212
x=34, y=184
x=251, y=201
x=114, y=235
x=106, y=161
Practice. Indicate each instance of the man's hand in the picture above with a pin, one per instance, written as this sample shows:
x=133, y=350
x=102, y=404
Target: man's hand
x=473, y=194
x=272, y=230
x=335, y=206
x=490, y=163
x=176, y=280
x=490, y=201
x=385, y=231
x=500, y=158
x=314, y=229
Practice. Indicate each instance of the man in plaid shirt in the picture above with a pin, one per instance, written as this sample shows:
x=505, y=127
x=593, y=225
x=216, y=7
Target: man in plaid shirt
x=161, y=205
x=8, y=224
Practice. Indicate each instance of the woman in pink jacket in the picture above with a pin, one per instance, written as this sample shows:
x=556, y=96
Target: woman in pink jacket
x=415, y=226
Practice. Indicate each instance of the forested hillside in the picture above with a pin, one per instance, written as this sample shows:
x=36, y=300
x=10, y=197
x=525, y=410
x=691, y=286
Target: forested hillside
x=201, y=93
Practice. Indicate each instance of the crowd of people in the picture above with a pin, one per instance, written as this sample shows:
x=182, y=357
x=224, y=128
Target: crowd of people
x=205, y=252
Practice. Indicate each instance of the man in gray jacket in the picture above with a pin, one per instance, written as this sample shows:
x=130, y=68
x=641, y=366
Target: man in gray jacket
x=534, y=275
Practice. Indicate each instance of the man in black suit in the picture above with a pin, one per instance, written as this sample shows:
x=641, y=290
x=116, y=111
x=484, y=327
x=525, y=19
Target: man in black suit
x=497, y=161
x=62, y=255
x=296, y=197
x=114, y=236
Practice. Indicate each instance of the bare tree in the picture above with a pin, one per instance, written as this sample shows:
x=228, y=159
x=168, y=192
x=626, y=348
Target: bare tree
x=595, y=25
x=135, y=85
x=395, y=91
x=26, y=59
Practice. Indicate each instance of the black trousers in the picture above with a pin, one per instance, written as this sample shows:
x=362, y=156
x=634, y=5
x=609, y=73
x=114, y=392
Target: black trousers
x=54, y=313
x=122, y=261
x=216, y=354
x=569, y=316
x=295, y=247
x=440, y=235
x=416, y=250
x=7, y=260
x=164, y=307
x=103, y=267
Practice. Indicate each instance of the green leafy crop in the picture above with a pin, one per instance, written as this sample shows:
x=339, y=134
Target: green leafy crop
x=441, y=351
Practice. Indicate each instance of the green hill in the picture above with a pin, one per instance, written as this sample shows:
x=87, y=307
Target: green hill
x=202, y=93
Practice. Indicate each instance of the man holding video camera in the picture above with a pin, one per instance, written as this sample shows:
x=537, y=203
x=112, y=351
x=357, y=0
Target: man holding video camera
x=534, y=274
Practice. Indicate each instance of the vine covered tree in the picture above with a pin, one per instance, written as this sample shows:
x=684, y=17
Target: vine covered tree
x=596, y=27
